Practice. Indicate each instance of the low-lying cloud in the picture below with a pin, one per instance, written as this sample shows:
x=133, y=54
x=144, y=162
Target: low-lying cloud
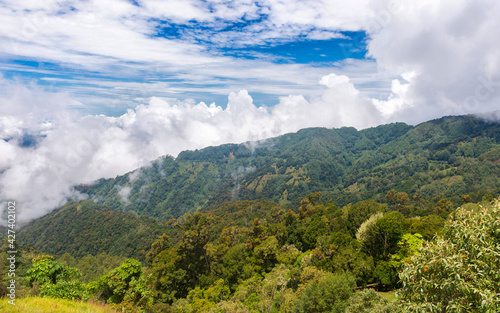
x=71, y=149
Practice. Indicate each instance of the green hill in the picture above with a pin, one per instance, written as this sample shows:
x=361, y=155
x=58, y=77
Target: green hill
x=449, y=157
x=236, y=241
x=86, y=228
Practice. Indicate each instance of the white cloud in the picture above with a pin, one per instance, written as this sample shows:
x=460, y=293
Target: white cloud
x=124, y=192
x=78, y=149
x=452, y=51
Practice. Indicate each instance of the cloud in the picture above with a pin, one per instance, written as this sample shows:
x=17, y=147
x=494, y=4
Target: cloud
x=124, y=192
x=447, y=52
x=112, y=55
x=71, y=149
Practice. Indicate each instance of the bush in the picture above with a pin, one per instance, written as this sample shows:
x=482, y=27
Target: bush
x=368, y=301
x=70, y=290
x=328, y=294
x=459, y=272
x=55, y=280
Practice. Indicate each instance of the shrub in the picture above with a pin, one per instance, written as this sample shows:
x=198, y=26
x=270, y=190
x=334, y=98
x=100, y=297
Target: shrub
x=368, y=301
x=459, y=272
x=328, y=294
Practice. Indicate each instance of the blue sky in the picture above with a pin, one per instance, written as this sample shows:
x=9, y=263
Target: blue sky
x=324, y=54
x=212, y=33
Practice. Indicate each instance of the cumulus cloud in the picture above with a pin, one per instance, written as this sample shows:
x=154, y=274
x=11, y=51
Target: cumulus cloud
x=80, y=149
x=445, y=52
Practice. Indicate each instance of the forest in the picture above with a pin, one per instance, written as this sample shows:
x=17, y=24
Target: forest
x=447, y=157
x=390, y=219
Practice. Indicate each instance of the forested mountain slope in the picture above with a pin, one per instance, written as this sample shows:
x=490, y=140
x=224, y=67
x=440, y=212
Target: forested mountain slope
x=280, y=223
x=448, y=157
x=86, y=228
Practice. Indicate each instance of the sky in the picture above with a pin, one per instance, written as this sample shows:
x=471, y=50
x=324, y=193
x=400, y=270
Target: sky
x=92, y=89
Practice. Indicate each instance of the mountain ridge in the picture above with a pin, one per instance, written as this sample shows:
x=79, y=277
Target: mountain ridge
x=345, y=164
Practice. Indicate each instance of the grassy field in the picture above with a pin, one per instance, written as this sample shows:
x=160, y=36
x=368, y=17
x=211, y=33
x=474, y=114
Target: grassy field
x=50, y=305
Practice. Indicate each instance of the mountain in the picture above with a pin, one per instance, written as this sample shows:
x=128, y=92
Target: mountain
x=87, y=228
x=358, y=195
x=449, y=157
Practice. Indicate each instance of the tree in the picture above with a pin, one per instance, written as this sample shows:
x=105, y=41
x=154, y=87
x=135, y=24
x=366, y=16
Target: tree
x=382, y=236
x=355, y=215
x=307, y=204
x=55, y=279
x=170, y=279
x=459, y=272
x=161, y=243
x=408, y=247
x=198, y=230
x=328, y=294
x=428, y=226
x=444, y=207
x=114, y=286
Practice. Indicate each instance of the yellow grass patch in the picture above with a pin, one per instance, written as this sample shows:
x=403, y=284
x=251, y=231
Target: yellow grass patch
x=52, y=305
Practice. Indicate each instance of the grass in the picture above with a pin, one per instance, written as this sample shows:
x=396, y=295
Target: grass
x=389, y=295
x=51, y=305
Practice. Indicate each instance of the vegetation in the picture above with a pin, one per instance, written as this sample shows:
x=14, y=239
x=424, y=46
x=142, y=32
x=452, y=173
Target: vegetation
x=376, y=213
x=85, y=228
x=55, y=280
x=430, y=166
x=53, y=305
x=306, y=262
x=459, y=272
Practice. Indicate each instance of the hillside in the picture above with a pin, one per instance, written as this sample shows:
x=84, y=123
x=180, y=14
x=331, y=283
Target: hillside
x=283, y=223
x=86, y=228
x=448, y=157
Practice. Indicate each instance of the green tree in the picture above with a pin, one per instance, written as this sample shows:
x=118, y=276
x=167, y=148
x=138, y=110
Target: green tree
x=428, y=226
x=113, y=286
x=355, y=215
x=55, y=279
x=408, y=247
x=159, y=245
x=383, y=235
x=329, y=294
x=169, y=278
x=459, y=272
x=198, y=231
x=308, y=203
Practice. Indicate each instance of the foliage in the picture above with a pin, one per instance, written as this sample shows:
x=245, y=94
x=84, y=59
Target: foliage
x=417, y=170
x=368, y=301
x=382, y=236
x=55, y=280
x=91, y=267
x=86, y=228
x=114, y=286
x=256, y=230
x=363, y=231
x=428, y=226
x=46, y=270
x=63, y=289
x=408, y=247
x=328, y=294
x=459, y=272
